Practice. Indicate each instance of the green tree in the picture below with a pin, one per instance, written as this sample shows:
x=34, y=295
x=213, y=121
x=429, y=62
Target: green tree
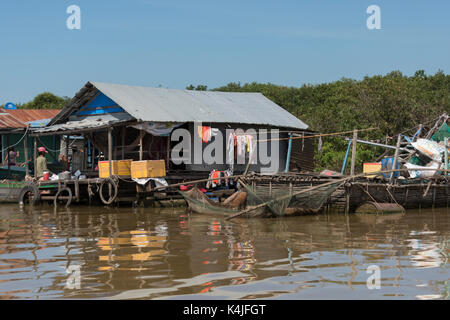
x=46, y=100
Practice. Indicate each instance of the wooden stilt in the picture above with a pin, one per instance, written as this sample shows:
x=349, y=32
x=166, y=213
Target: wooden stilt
x=110, y=146
x=66, y=152
x=141, y=147
x=394, y=165
x=355, y=138
x=35, y=156
x=7, y=154
x=25, y=150
x=110, y=150
x=123, y=142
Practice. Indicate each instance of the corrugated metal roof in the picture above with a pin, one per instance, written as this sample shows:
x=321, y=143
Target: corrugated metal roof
x=77, y=125
x=172, y=105
x=8, y=121
x=27, y=115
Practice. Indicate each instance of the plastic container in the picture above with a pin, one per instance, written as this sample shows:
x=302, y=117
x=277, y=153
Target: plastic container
x=148, y=169
x=46, y=176
x=119, y=168
x=387, y=164
x=371, y=167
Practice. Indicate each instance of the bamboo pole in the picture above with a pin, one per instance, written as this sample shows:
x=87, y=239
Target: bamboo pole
x=110, y=150
x=288, y=157
x=25, y=150
x=66, y=152
x=344, y=164
x=355, y=138
x=110, y=147
x=35, y=156
x=123, y=142
x=9, y=160
x=394, y=165
x=141, y=147
x=446, y=153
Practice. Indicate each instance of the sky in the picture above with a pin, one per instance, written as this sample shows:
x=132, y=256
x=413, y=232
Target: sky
x=173, y=44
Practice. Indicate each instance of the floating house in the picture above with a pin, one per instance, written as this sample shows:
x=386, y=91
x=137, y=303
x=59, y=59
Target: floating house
x=134, y=122
x=15, y=126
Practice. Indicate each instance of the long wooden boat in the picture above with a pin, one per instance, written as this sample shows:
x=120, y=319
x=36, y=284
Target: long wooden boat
x=10, y=190
x=198, y=202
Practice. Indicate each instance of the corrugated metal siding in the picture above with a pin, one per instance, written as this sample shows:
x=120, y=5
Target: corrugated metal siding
x=302, y=154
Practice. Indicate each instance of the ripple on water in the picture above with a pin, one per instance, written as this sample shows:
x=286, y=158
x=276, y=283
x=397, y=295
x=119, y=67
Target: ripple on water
x=140, y=253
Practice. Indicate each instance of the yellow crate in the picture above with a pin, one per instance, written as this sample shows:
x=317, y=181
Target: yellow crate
x=371, y=167
x=119, y=167
x=148, y=169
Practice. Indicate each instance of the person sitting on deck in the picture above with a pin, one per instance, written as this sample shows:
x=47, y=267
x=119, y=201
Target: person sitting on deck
x=12, y=157
x=41, y=163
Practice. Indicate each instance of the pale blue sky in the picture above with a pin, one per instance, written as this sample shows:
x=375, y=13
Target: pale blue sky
x=176, y=43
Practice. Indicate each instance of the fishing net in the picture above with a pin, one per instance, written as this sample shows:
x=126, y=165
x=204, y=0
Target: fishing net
x=277, y=200
x=281, y=197
x=442, y=133
x=315, y=198
x=201, y=203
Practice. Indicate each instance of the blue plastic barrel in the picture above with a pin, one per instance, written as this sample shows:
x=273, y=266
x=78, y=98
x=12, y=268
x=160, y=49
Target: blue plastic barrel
x=387, y=164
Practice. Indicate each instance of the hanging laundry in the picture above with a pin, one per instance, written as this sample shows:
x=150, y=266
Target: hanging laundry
x=230, y=148
x=206, y=134
x=251, y=148
x=241, y=145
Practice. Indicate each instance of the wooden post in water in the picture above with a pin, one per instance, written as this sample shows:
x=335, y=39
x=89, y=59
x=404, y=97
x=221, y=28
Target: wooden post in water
x=7, y=154
x=446, y=154
x=123, y=142
x=141, y=147
x=66, y=152
x=355, y=138
x=35, y=156
x=288, y=157
x=394, y=165
x=25, y=150
x=110, y=150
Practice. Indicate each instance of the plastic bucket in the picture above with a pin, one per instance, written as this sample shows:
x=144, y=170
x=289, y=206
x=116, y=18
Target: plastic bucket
x=387, y=164
x=46, y=175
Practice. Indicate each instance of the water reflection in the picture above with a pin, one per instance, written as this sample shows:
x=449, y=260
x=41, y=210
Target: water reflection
x=168, y=253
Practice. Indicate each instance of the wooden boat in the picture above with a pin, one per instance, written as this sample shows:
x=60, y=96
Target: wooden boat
x=198, y=202
x=15, y=172
x=10, y=190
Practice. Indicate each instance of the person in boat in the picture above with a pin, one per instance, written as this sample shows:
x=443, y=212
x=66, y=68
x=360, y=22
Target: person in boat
x=41, y=163
x=12, y=157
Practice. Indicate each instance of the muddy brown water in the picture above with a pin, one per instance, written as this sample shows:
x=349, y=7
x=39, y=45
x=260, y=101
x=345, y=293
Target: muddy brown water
x=144, y=253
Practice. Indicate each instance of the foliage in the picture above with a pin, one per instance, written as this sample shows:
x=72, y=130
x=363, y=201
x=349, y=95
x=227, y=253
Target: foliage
x=45, y=100
x=393, y=103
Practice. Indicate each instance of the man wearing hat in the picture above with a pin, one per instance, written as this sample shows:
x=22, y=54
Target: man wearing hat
x=41, y=163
